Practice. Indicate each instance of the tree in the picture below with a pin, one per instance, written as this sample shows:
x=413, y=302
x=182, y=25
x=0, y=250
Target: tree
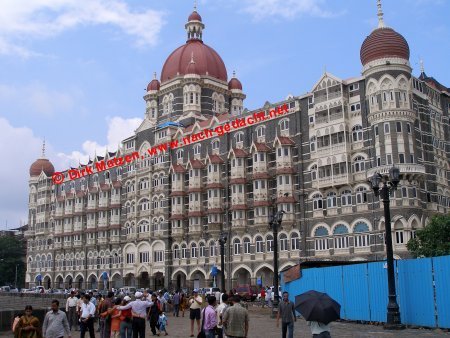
x=433, y=240
x=12, y=253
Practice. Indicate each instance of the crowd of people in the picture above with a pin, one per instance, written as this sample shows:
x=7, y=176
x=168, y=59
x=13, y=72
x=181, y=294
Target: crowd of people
x=219, y=315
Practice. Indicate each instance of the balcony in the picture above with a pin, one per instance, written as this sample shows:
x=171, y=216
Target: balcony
x=115, y=199
x=407, y=171
x=213, y=177
x=333, y=149
x=195, y=183
x=177, y=185
x=331, y=181
x=238, y=172
x=103, y=203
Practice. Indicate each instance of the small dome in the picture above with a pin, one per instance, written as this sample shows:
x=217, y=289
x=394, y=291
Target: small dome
x=234, y=84
x=384, y=42
x=194, y=17
x=40, y=165
x=153, y=85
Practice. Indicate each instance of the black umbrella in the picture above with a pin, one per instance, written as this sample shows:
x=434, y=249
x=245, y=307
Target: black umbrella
x=317, y=306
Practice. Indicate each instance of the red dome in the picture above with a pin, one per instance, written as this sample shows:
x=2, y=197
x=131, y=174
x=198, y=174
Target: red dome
x=381, y=43
x=153, y=85
x=194, y=16
x=40, y=165
x=206, y=61
x=234, y=84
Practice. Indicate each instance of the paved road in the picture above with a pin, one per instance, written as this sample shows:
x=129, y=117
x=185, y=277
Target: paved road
x=262, y=326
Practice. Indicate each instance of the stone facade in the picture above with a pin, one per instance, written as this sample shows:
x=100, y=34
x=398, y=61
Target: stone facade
x=155, y=223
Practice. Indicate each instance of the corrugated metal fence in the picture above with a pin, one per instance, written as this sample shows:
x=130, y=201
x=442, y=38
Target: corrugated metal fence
x=423, y=290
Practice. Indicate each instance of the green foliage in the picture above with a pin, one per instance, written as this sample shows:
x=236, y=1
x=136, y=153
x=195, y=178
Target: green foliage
x=12, y=253
x=433, y=240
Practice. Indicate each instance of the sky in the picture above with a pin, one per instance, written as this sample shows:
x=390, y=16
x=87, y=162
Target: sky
x=74, y=72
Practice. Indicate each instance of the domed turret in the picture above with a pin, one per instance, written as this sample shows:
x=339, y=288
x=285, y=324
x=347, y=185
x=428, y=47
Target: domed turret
x=234, y=83
x=42, y=164
x=154, y=84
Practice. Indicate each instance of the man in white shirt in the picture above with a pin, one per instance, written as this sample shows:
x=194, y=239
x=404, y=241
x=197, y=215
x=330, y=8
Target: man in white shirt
x=195, y=304
x=87, y=317
x=220, y=310
x=71, y=310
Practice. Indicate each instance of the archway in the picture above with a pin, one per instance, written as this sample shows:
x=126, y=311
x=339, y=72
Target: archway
x=47, y=282
x=266, y=276
x=59, y=282
x=79, y=281
x=159, y=281
x=69, y=282
x=242, y=277
x=130, y=280
x=144, y=280
x=93, y=282
x=116, y=281
x=179, y=280
x=197, y=280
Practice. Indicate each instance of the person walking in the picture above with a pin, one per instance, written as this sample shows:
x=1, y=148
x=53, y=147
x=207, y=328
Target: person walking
x=71, y=310
x=79, y=304
x=319, y=330
x=195, y=304
x=56, y=324
x=220, y=310
x=183, y=303
x=235, y=319
x=106, y=305
x=286, y=312
x=87, y=317
x=269, y=297
x=176, y=303
x=125, y=320
x=263, y=297
x=115, y=319
x=139, y=313
x=153, y=314
x=28, y=326
x=162, y=323
x=101, y=322
x=209, y=322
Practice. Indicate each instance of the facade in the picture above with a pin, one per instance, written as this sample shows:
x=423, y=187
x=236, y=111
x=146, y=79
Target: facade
x=156, y=222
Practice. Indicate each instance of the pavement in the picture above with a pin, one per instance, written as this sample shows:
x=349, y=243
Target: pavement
x=262, y=326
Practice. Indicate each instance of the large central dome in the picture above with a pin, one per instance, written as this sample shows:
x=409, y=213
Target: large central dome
x=207, y=61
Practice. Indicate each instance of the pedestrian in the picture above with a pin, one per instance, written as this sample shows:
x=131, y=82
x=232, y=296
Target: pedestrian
x=101, y=321
x=162, y=323
x=162, y=301
x=56, y=324
x=87, y=317
x=28, y=325
x=263, y=297
x=115, y=319
x=220, y=310
x=235, y=319
x=153, y=314
x=269, y=297
x=319, y=330
x=168, y=301
x=71, y=310
x=286, y=312
x=79, y=304
x=125, y=320
x=139, y=313
x=106, y=305
x=209, y=322
x=217, y=294
x=176, y=303
x=195, y=304
x=183, y=303
x=15, y=321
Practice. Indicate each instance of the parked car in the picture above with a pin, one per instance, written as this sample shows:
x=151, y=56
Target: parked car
x=210, y=291
x=128, y=290
x=247, y=292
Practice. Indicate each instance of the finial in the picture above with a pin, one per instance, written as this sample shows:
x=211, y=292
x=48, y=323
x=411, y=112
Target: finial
x=380, y=15
x=325, y=69
x=154, y=75
x=234, y=73
x=195, y=5
x=422, y=69
x=43, y=149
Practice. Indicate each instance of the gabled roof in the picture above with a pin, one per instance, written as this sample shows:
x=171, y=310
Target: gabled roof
x=325, y=76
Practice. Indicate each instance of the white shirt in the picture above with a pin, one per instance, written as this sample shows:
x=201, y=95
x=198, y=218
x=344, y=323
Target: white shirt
x=218, y=296
x=219, y=311
x=318, y=328
x=71, y=302
x=87, y=310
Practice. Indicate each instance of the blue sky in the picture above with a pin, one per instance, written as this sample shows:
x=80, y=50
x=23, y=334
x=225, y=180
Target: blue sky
x=75, y=71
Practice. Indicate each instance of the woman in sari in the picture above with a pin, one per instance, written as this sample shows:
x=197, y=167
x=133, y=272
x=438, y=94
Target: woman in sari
x=28, y=326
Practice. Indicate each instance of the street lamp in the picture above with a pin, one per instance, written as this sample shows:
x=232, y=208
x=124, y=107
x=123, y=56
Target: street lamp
x=222, y=241
x=274, y=223
x=388, y=185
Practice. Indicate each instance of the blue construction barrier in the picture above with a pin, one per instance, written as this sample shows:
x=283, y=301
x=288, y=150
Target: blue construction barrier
x=423, y=290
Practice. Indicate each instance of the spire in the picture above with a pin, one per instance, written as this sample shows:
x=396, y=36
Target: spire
x=422, y=68
x=234, y=73
x=154, y=75
x=380, y=15
x=195, y=5
x=43, y=149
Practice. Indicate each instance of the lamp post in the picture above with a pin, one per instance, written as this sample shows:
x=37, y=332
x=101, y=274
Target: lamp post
x=15, y=278
x=389, y=184
x=222, y=241
x=274, y=224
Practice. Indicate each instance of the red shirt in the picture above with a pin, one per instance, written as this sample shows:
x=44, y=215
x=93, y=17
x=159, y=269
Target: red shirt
x=263, y=293
x=125, y=313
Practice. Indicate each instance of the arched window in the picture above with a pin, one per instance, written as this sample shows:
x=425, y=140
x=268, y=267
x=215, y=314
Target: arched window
x=314, y=172
x=283, y=242
x=176, y=252
x=295, y=241
x=341, y=236
x=321, y=243
x=237, y=246
x=215, y=144
x=259, y=244
x=358, y=164
x=357, y=133
x=193, y=250
x=180, y=154
x=212, y=249
x=317, y=202
x=361, y=195
x=346, y=198
x=261, y=131
x=284, y=124
x=362, y=238
x=239, y=137
x=184, y=251
x=331, y=200
x=269, y=243
x=197, y=148
x=202, y=250
x=312, y=143
x=246, y=245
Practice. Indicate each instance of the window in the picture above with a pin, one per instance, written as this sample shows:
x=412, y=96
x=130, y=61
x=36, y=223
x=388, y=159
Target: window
x=359, y=164
x=202, y=250
x=408, y=128
x=261, y=131
x=197, y=148
x=193, y=250
x=317, y=202
x=375, y=130
x=398, y=125
x=386, y=127
x=346, y=198
x=269, y=243
x=212, y=249
x=361, y=230
x=184, y=251
x=414, y=192
x=411, y=158
x=283, y=242
x=284, y=124
x=314, y=172
x=331, y=200
x=295, y=243
x=378, y=161
x=361, y=195
x=144, y=257
x=355, y=107
x=180, y=154
x=340, y=233
x=321, y=244
x=130, y=258
x=399, y=237
x=311, y=120
x=246, y=245
x=215, y=144
x=159, y=256
x=239, y=137
x=401, y=158
x=353, y=87
x=388, y=158
x=259, y=245
x=236, y=246
x=312, y=144
x=404, y=192
x=176, y=252
x=357, y=133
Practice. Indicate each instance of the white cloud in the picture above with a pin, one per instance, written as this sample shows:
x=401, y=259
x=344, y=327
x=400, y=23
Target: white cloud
x=24, y=20
x=118, y=129
x=20, y=147
x=288, y=9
